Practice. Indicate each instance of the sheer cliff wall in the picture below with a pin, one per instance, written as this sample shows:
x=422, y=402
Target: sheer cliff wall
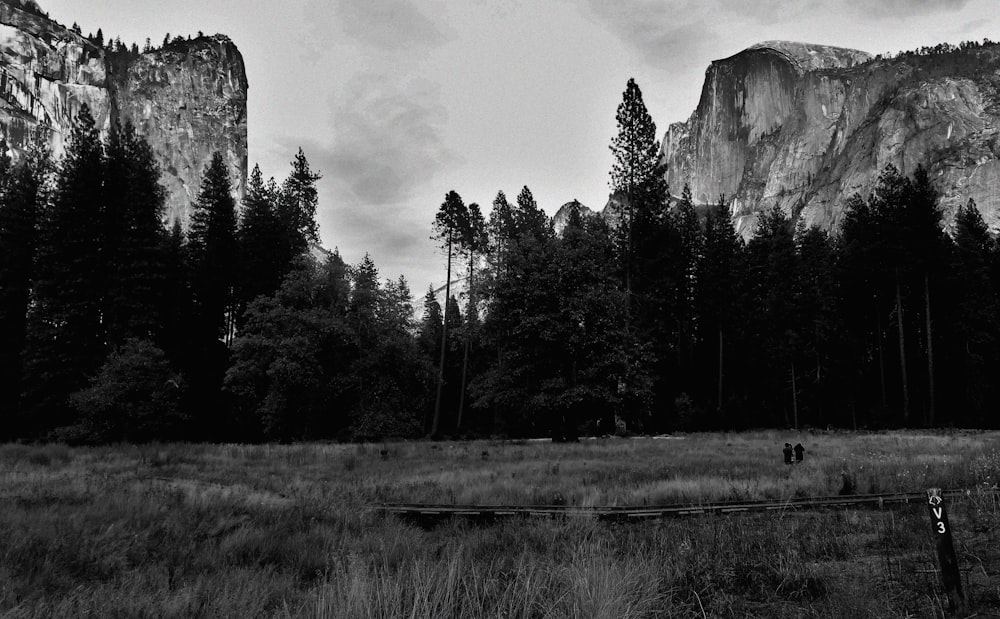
x=188, y=99
x=804, y=127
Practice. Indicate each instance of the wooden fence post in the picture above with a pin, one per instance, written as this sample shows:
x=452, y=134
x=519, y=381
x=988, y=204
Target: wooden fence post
x=947, y=560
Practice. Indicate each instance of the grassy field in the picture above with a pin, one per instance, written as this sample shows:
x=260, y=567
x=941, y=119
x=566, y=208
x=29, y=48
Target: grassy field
x=282, y=531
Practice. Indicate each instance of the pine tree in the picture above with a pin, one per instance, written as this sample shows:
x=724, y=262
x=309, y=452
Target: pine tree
x=501, y=228
x=647, y=256
x=529, y=218
x=297, y=207
x=773, y=263
x=363, y=312
x=636, y=159
x=719, y=300
x=177, y=307
x=976, y=326
x=821, y=326
x=555, y=317
x=926, y=242
x=882, y=263
x=134, y=239
x=635, y=148
x=431, y=325
x=212, y=253
x=473, y=242
x=212, y=244
x=449, y=222
x=67, y=331
x=689, y=249
x=22, y=203
x=263, y=260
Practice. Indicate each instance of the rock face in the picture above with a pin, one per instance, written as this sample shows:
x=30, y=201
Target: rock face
x=188, y=99
x=804, y=127
x=561, y=218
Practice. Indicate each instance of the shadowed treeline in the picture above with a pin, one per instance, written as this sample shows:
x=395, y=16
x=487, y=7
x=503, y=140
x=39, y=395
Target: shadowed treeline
x=113, y=328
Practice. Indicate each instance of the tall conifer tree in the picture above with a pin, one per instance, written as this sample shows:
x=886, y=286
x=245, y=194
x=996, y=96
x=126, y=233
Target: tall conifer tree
x=451, y=219
x=67, y=331
x=636, y=163
x=262, y=258
x=212, y=245
x=297, y=207
x=22, y=201
x=134, y=238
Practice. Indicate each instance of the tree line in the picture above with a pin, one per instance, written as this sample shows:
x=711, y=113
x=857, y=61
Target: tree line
x=668, y=320
x=114, y=327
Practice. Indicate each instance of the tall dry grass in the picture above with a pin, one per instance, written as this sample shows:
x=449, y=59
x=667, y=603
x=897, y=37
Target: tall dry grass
x=282, y=531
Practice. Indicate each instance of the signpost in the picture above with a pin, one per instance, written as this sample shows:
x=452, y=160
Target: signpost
x=950, y=576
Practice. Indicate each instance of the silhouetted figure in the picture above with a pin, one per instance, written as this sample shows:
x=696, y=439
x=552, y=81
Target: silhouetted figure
x=799, y=450
x=787, y=451
x=847, y=486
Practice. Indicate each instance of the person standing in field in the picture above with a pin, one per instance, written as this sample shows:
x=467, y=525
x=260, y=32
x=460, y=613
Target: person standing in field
x=799, y=450
x=787, y=451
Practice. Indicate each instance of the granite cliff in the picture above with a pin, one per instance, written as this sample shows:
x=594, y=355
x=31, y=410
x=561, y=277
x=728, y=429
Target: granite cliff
x=805, y=126
x=188, y=98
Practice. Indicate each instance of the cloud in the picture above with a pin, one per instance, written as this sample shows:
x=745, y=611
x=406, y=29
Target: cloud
x=387, y=137
x=667, y=33
x=396, y=236
x=972, y=26
x=652, y=28
x=881, y=9
x=388, y=25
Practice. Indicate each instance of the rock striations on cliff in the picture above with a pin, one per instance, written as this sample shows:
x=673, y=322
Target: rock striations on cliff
x=806, y=126
x=188, y=98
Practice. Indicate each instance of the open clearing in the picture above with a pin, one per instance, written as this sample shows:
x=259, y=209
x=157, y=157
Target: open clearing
x=263, y=531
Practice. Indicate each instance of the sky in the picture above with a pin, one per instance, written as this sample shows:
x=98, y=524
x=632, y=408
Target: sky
x=397, y=102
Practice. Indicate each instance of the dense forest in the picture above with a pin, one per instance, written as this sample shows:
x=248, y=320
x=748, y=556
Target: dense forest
x=114, y=327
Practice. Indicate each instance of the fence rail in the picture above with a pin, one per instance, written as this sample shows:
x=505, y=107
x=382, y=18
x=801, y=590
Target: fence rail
x=430, y=511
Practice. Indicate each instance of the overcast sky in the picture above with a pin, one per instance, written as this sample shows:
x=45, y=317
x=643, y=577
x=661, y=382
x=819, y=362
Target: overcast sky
x=396, y=102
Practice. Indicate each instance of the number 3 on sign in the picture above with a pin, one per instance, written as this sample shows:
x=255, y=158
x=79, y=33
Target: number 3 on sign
x=938, y=512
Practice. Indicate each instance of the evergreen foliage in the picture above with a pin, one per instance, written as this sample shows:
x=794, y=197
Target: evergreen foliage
x=297, y=207
x=115, y=328
x=283, y=376
x=23, y=200
x=451, y=221
x=212, y=245
x=67, y=336
x=262, y=256
x=135, y=397
x=134, y=239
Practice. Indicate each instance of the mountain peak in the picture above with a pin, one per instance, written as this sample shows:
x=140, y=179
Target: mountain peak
x=810, y=57
x=802, y=126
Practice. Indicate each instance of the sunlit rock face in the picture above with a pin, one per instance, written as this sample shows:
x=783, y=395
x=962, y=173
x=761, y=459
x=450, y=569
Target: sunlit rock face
x=804, y=127
x=561, y=218
x=188, y=99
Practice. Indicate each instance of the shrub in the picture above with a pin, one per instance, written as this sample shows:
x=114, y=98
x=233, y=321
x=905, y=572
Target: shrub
x=134, y=397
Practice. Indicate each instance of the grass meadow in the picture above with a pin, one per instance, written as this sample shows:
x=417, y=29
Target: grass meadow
x=283, y=531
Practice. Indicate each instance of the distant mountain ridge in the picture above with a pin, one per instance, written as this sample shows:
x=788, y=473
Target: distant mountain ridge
x=805, y=126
